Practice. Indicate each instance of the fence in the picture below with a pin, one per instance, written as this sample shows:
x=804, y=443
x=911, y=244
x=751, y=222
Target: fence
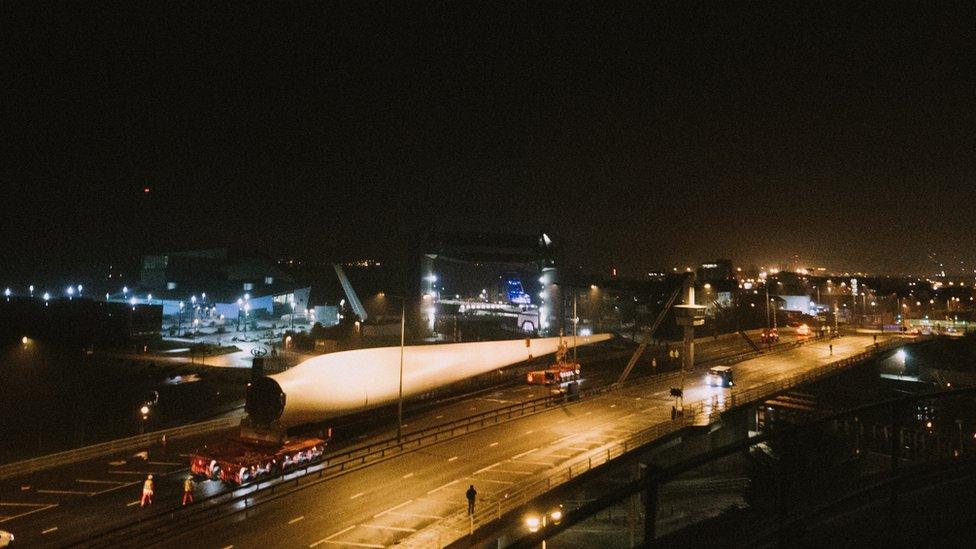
x=67, y=457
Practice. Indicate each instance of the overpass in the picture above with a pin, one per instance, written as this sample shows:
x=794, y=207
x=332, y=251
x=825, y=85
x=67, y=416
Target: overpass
x=395, y=494
x=416, y=497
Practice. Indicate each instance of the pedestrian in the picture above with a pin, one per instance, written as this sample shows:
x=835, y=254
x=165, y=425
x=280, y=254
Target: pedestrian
x=875, y=339
x=831, y=349
x=147, y=492
x=471, y=494
x=674, y=413
x=188, y=489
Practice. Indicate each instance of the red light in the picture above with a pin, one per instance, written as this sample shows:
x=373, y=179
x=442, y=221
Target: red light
x=145, y=189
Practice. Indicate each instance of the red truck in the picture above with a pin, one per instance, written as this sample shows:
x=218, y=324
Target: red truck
x=252, y=455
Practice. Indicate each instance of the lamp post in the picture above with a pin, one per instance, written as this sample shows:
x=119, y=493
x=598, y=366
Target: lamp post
x=403, y=330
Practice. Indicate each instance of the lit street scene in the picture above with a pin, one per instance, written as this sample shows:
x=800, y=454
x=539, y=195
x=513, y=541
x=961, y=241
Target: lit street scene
x=510, y=275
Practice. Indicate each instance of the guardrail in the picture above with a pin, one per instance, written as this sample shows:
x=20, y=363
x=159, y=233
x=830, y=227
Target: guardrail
x=67, y=457
x=459, y=525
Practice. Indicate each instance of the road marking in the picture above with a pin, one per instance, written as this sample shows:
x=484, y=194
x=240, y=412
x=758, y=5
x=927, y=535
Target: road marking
x=482, y=479
x=116, y=463
x=339, y=533
x=577, y=448
x=164, y=463
x=119, y=487
x=452, y=458
x=544, y=463
x=354, y=496
x=587, y=413
x=349, y=543
x=613, y=405
x=483, y=469
x=415, y=515
x=439, y=488
x=438, y=417
x=86, y=481
x=394, y=528
x=67, y=492
x=507, y=472
x=228, y=547
x=394, y=508
x=130, y=472
x=131, y=503
x=11, y=504
x=408, y=475
x=493, y=444
x=49, y=530
x=524, y=453
x=296, y=519
x=561, y=456
x=40, y=507
x=529, y=432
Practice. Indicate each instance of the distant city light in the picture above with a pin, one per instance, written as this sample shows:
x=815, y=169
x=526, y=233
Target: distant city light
x=47, y=296
x=7, y=292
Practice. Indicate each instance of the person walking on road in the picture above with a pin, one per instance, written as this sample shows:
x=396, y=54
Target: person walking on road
x=188, y=490
x=831, y=349
x=147, y=492
x=471, y=494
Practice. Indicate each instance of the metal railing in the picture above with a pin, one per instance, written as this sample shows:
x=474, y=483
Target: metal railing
x=68, y=457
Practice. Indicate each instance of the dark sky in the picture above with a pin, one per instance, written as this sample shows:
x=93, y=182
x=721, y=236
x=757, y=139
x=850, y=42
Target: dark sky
x=645, y=136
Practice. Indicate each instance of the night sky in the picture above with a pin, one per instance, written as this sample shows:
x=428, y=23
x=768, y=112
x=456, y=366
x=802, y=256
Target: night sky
x=646, y=137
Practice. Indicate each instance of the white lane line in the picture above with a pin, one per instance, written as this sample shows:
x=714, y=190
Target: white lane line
x=394, y=528
x=408, y=475
x=524, y=453
x=131, y=503
x=493, y=444
x=67, y=492
x=508, y=472
x=452, y=458
x=483, y=469
x=49, y=530
x=394, y=508
x=545, y=463
x=116, y=463
x=613, y=405
x=359, y=495
x=415, y=515
x=529, y=432
x=349, y=543
x=86, y=481
x=119, y=487
x=228, y=547
x=339, y=533
x=296, y=519
x=12, y=504
x=439, y=488
x=24, y=514
x=165, y=463
x=482, y=479
x=130, y=472
x=438, y=417
x=577, y=448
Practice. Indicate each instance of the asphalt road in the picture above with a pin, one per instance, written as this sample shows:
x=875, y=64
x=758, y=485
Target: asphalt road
x=379, y=505
x=48, y=508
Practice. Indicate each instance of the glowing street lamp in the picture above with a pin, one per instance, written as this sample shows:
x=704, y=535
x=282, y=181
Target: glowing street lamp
x=71, y=292
x=30, y=290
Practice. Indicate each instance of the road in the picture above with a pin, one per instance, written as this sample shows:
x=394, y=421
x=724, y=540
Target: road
x=51, y=507
x=379, y=505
